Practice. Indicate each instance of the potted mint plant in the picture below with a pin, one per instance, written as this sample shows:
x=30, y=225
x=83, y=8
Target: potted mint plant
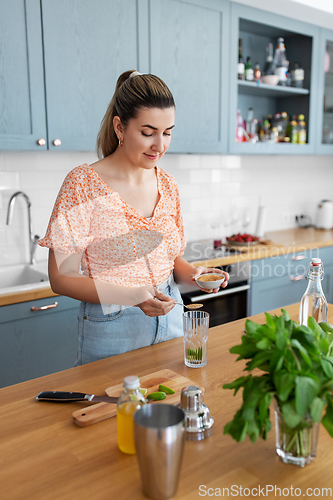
x=297, y=366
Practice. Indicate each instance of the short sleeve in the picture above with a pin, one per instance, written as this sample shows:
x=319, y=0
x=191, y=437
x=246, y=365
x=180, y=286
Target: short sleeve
x=68, y=230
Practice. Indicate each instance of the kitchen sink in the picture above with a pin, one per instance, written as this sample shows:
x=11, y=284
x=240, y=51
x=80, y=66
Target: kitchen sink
x=22, y=277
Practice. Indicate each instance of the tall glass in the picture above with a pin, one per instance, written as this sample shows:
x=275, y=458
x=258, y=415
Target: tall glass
x=195, y=326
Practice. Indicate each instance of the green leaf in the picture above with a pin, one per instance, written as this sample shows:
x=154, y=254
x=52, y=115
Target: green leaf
x=316, y=409
x=285, y=314
x=327, y=367
x=236, y=384
x=259, y=361
x=327, y=419
x=305, y=391
x=295, y=343
x=312, y=323
x=327, y=327
x=280, y=323
x=264, y=343
x=251, y=326
x=253, y=430
x=281, y=340
x=244, y=351
x=291, y=417
x=285, y=383
x=270, y=321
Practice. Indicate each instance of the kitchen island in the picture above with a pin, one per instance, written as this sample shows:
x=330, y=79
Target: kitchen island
x=45, y=455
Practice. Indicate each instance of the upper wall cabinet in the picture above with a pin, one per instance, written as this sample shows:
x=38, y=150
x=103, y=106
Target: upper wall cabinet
x=59, y=62
x=256, y=29
x=22, y=98
x=87, y=45
x=325, y=94
x=189, y=51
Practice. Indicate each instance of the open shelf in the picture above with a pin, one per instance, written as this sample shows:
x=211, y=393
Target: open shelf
x=265, y=90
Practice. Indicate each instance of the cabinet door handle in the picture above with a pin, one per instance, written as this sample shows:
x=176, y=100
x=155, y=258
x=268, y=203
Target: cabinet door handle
x=298, y=257
x=44, y=308
x=297, y=278
x=41, y=142
x=57, y=142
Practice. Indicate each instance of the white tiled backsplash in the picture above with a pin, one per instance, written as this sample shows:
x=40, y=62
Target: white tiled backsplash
x=215, y=190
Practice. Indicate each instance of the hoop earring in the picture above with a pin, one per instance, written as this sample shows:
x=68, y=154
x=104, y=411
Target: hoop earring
x=120, y=143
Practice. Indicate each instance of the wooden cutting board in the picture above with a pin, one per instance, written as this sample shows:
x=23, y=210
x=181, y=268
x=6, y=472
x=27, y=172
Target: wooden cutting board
x=101, y=411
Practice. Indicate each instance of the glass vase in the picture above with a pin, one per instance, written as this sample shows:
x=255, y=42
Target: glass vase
x=296, y=446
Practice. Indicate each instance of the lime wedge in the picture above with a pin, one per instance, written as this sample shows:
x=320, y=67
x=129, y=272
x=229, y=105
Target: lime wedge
x=143, y=391
x=157, y=396
x=133, y=397
x=166, y=389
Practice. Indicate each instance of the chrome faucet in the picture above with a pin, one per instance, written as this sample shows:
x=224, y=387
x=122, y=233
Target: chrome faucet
x=10, y=209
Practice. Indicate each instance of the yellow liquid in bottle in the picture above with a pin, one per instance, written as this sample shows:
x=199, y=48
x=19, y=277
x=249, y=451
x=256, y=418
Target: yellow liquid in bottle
x=125, y=427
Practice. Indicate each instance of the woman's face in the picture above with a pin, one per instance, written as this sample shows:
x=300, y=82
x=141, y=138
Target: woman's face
x=147, y=137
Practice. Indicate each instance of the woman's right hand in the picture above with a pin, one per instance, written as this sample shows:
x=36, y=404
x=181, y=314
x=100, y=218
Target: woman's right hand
x=159, y=305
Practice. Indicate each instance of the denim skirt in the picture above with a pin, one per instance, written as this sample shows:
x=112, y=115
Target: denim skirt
x=105, y=331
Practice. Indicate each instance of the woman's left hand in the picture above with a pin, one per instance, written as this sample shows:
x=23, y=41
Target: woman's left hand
x=202, y=270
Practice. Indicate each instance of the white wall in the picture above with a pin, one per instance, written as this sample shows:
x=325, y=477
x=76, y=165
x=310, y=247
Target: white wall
x=212, y=189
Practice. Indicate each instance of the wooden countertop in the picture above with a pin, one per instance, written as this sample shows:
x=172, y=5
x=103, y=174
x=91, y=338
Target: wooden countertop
x=45, y=456
x=283, y=243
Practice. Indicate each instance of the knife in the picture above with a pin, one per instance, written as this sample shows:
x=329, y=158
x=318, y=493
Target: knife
x=66, y=397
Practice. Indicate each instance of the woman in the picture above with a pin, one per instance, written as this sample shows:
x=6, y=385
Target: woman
x=116, y=233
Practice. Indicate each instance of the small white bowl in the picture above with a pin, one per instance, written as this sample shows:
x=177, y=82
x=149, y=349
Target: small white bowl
x=210, y=285
x=270, y=79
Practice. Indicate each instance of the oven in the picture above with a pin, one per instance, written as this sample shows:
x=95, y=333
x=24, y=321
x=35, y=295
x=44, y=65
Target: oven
x=228, y=304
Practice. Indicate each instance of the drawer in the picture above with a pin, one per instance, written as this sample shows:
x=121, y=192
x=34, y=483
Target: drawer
x=283, y=265
x=23, y=309
x=276, y=292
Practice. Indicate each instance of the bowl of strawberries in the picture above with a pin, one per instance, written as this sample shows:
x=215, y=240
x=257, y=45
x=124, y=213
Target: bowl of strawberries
x=242, y=240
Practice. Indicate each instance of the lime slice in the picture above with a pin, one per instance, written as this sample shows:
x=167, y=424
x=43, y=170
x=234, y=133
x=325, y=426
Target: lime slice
x=157, y=396
x=133, y=397
x=143, y=391
x=166, y=389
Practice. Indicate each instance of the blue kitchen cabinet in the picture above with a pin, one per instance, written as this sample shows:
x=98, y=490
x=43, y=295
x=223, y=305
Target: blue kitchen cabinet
x=38, y=342
x=22, y=97
x=189, y=51
x=256, y=28
x=87, y=45
x=281, y=281
x=324, y=128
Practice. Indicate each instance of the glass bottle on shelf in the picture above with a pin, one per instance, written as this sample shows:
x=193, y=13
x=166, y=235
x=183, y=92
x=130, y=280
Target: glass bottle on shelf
x=284, y=123
x=313, y=302
x=249, y=73
x=280, y=61
x=293, y=131
x=241, y=65
x=269, y=64
x=131, y=400
x=297, y=76
x=257, y=72
x=301, y=130
x=250, y=116
x=239, y=127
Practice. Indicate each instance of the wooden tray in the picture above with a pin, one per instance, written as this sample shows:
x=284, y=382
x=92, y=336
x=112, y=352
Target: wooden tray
x=101, y=411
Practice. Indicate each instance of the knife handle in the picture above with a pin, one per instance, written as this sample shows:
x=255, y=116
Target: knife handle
x=60, y=396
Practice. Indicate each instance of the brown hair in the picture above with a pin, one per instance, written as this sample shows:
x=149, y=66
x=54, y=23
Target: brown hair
x=131, y=94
